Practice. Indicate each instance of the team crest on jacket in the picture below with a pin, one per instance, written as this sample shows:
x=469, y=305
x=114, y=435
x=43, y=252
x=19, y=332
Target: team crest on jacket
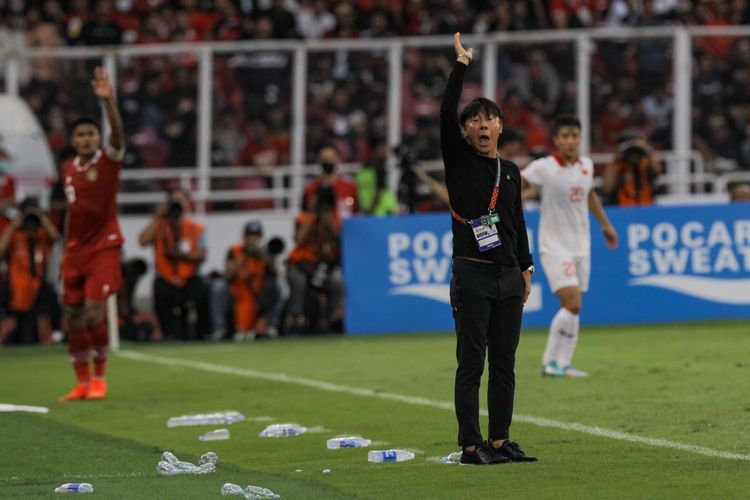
x=92, y=174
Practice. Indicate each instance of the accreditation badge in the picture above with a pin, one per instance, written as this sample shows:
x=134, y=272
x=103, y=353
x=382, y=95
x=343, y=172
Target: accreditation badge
x=92, y=174
x=486, y=233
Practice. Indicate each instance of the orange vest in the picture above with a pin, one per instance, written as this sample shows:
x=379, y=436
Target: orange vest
x=312, y=250
x=249, y=279
x=628, y=194
x=176, y=271
x=25, y=281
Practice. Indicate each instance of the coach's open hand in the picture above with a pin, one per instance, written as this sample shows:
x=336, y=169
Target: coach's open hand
x=462, y=54
x=102, y=86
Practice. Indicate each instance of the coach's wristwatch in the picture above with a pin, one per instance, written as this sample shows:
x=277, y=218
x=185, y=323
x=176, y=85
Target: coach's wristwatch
x=530, y=269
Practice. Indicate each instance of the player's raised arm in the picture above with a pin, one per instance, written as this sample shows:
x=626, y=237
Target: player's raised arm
x=104, y=91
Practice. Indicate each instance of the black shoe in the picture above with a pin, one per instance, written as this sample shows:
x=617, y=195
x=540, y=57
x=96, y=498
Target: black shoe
x=482, y=455
x=511, y=452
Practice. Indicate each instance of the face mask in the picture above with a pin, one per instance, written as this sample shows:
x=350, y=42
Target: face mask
x=328, y=167
x=4, y=166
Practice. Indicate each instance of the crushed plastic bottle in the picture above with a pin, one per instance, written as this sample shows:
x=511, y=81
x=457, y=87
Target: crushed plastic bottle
x=75, y=488
x=218, y=418
x=232, y=489
x=377, y=456
x=206, y=468
x=216, y=435
x=282, y=430
x=347, y=442
x=168, y=469
x=209, y=457
x=168, y=456
x=186, y=467
x=254, y=492
x=453, y=458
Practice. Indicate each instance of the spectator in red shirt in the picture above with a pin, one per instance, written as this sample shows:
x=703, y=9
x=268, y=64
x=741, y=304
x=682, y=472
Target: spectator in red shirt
x=344, y=189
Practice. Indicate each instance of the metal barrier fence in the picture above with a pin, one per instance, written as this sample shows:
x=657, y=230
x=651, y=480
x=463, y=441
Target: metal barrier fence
x=686, y=170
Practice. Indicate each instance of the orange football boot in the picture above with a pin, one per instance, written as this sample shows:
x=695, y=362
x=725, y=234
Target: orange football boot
x=97, y=389
x=79, y=392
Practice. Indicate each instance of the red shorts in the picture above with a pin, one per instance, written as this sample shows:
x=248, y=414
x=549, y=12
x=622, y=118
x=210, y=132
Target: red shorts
x=94, y=276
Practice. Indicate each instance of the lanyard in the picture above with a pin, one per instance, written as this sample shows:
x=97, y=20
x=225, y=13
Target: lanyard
x=493, y=198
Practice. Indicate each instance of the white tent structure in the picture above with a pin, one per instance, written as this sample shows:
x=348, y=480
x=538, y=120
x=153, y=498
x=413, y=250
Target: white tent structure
x=21, y=135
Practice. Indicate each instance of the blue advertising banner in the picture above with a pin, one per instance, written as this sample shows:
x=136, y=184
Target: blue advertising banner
x=672, y=264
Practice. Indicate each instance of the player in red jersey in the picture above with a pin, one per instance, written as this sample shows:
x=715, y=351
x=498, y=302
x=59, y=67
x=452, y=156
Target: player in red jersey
x=91, y=265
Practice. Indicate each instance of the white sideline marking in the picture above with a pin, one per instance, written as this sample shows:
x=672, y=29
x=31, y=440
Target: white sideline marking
x=441, y=405
x=5, y=407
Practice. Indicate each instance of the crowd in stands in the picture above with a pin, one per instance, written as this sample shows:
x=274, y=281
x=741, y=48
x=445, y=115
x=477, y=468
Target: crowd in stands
x=347, y=91
x=263, y=290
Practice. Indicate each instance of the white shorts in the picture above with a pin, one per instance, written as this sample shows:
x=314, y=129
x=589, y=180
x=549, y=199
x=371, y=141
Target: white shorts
x=563, y=271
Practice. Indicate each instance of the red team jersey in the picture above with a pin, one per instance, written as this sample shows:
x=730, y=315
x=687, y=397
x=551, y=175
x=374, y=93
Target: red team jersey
x=91, y=191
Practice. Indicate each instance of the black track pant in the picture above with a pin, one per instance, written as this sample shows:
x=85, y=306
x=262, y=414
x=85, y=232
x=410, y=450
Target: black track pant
x=487, y=305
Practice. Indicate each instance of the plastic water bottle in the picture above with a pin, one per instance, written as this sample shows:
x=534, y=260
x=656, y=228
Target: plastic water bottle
x=206, y=468
x=166, y=469
x=453, y=458
x=218, y=418
x=282, y=430
x=186, y=467
x=217, y=435
x=259, y=492
x=169, y=457
x=377, y=456
x=232, y=489
x=209, y=457
x=347, y=442
x=74, y=488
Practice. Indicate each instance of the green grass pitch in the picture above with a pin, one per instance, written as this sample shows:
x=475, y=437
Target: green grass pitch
x=688, y=384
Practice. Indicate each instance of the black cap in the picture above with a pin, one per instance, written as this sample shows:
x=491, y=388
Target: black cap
x=253, y=227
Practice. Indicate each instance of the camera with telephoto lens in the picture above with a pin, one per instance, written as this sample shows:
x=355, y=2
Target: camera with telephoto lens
x=30, y=214
x=407, y=156
x=275, y=246
x=633, y=154
x=174, y=210
x=31, y=219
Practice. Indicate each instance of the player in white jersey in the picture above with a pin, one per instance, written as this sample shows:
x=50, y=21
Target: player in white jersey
x=564, y=181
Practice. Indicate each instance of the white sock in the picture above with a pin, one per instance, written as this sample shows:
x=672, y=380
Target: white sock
x=567, y=337
x=553, y=339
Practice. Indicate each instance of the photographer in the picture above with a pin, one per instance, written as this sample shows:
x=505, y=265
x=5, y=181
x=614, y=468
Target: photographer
x=179, y=250
x=315, y=266
x=628, y=181
x=27, y=245
x=345, y=191
x=250, y=285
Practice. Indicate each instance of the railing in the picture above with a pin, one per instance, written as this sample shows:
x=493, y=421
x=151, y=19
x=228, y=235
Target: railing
x=287, y=181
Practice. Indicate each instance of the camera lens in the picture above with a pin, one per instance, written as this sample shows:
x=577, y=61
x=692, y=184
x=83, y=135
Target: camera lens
x=174, y=210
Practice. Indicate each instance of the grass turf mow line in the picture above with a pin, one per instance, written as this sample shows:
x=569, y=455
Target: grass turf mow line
x=419, y=401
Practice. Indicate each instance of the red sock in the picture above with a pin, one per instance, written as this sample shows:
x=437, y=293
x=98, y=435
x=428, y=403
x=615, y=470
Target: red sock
x=99, y=341
x=78, y=348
